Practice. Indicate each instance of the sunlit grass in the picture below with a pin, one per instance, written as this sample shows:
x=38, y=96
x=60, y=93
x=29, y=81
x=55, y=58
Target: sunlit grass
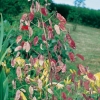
x=88, y=44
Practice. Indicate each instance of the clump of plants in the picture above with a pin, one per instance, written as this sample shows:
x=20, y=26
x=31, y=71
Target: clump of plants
x=42, y=50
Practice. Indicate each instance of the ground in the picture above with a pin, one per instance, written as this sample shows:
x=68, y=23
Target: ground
x=88, y=44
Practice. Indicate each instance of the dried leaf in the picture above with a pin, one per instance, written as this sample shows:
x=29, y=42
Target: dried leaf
x=50, y=91
x=39, y=84
x=56, y=27
x=31, y=90
x=30, y=31
x=26, y=46
x=19, y=72
x=19, y=38
x=18, y=48
x=37, y=6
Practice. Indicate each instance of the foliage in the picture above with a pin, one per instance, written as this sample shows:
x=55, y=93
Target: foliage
x=88, y=16
x=43, y=48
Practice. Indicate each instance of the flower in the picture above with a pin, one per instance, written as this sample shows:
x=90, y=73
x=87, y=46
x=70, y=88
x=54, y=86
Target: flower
x=20, y=61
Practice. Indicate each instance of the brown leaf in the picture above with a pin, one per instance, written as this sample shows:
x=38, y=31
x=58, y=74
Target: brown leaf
x=19, y=38
x=56, y=27
x=26, y=46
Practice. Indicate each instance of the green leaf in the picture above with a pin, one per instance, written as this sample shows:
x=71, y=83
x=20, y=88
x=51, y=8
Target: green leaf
x=5, y=89
x=1, y=34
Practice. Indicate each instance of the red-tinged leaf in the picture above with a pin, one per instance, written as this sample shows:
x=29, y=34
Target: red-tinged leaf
x=63, y=95
x=50, y=35
x=50, y=28
x=71, y=57
x=44, y=11
x=31, y=61
x=69, y=98
x=41, y=60
x=37, y=6
x=57, y=29
x=32, y=8
x=80, y=56
x=61, y=18
x=19, y=72
x=73, y=77
x=24, y=17
x=18, y=95
x=55, y=48
x=18, y=48
x=82, y=69
x=22, y=43
x=31, y=16
x=43, y=24
x=71, y=43
x=62, y=26
x=53, y=62
x=24, y=27
x=39, y=24
x=63, y=68
x=35, y=41
x=57, y=69
x=19, y=38
x=86, y=85
x=57, y=77
x=86, y=98
x=30, y=31
x=59, y=44
x=98, y=89
x=13, y=62
x=50, y=22
x=43, y=38
x=68, y=88
x=91, y=76
x=68, y=36
x=26, y=46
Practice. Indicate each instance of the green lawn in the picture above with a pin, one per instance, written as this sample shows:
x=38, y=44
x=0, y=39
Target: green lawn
x=88, y=44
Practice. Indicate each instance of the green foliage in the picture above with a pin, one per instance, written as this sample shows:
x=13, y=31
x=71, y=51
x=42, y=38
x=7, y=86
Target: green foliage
x=88, y=17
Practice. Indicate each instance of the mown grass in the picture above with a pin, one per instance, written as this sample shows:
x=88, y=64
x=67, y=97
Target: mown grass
x=88, y=44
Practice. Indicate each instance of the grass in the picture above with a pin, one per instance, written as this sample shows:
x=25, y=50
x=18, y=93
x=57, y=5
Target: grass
x=88, y=44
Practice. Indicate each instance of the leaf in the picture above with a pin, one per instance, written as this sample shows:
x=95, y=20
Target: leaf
x=50, y=91
x=34, y=98
x=91, y=76
x=30, y=31
x=80, y=56
x=26, y=46
x=19, y=38
x=31, y=90
x=31, y=16
x=18, y=48
x=24, y=17
x=41, y=60
x=63, y=95
x=50, y=35
x=37, y=6
x=56, y=27
x=43, y=38
x=19, y=72
x=86, y=85
x=44, y=11
x=2, y=32
x=63, y=68
x=62, y=26
x=35, y=41
x=71, y=43
x=82, y=69
x=24, y=27
x=61, y=18
x=71, y=56
x=39, y=84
